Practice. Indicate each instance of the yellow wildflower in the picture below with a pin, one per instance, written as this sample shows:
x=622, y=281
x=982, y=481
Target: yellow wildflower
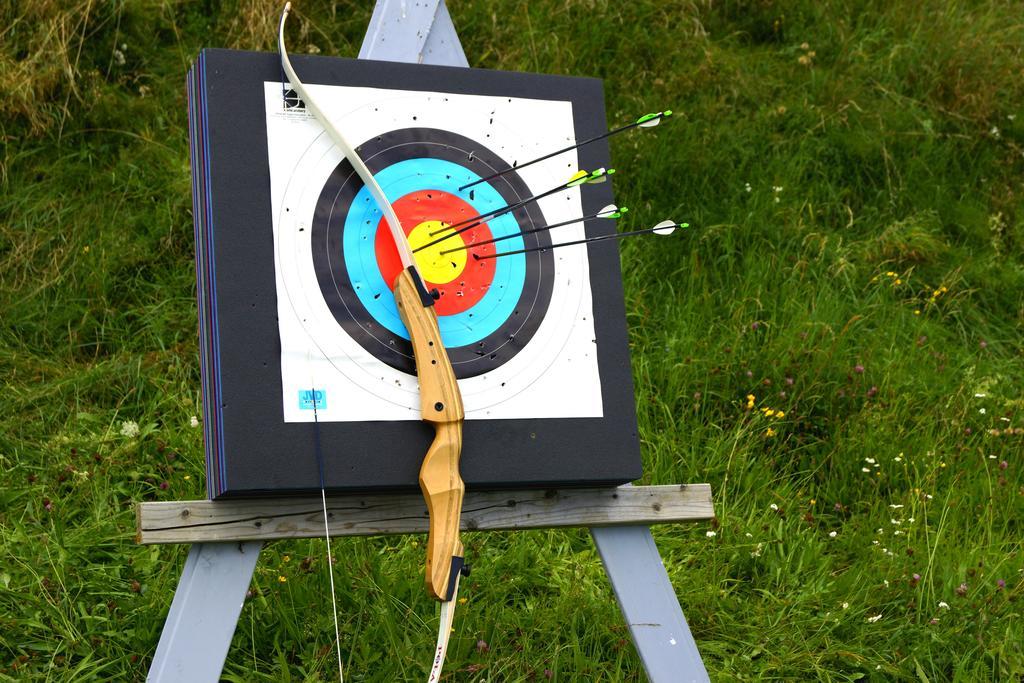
x=282, y=579
x=769, y=432
x=780, y=414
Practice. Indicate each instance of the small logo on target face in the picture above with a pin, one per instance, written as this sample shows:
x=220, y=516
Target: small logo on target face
x=292, y=100
x=310, y=399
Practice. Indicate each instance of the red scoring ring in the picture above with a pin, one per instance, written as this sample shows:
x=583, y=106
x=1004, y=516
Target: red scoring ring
x=464, y=291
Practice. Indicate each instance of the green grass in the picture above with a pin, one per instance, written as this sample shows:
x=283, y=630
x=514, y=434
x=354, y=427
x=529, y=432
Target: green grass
x=898, y=147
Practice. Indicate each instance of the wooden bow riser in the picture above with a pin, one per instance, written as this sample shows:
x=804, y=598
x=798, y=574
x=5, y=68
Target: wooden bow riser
x=441, y=405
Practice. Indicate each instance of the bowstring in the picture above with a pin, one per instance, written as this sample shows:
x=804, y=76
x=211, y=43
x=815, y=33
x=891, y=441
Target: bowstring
x=327, y=529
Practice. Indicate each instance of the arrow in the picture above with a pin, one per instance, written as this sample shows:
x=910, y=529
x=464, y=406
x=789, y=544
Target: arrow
x=645, y=121
x=579, y=178
x=610, y=211
x=662, y=228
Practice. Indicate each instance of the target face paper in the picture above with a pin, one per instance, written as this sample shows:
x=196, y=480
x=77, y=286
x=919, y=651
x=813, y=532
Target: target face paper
x=302, y=348
x=519, y=329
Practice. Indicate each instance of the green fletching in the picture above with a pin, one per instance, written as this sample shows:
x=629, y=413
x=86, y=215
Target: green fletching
x=668, y=113
x=651, y=120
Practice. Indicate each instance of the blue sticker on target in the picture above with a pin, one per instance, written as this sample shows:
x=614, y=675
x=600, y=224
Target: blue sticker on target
x=310, y=399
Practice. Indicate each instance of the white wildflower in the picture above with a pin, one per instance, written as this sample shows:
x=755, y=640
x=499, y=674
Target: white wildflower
x=874, y=618
x=831, y=534
x=870, y=461
x=130, y=428
x=943, y=605
x=711, y=534
x=746, y=186
x=773, y=506
x=846, y=605
x=193, y=422
x=865, y=469
x=756, y=552
x=995, y=132
x=895, y=506
x=981, y=410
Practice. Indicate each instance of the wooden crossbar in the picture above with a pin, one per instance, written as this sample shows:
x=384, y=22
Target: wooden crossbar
x=266, y=519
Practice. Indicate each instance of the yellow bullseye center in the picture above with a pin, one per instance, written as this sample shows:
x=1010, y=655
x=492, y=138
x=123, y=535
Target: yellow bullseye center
x=434, y=266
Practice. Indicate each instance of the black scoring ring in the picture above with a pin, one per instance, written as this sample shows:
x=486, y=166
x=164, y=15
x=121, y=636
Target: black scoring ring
x=332, y=208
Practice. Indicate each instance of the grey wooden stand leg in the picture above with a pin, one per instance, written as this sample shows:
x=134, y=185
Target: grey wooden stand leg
x=420, y=33
x=649, y=604
x=425, y=34
x=204, y=612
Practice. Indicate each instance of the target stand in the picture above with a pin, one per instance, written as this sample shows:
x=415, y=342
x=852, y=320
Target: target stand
x=226, y=536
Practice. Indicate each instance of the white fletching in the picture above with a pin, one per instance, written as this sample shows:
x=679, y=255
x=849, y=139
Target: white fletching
x=650, y=123
x=607, y=211
x=665, y=228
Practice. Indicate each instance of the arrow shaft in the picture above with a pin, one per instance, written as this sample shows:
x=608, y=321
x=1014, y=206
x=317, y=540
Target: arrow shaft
x=616, y=236
x=520, y=234
x=478, y=220
x=602, y=136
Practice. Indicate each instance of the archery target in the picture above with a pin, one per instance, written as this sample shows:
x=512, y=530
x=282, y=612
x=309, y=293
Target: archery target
x=489, y=309
x=518, y=329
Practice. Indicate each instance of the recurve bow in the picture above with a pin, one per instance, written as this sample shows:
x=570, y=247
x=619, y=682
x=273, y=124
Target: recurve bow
x=440, y=400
